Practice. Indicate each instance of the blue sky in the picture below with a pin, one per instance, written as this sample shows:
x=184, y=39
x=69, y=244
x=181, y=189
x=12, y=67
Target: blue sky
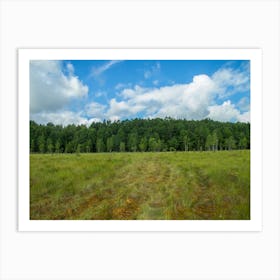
x=83, y=91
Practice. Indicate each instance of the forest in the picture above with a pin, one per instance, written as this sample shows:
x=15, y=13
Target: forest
x=140, y=135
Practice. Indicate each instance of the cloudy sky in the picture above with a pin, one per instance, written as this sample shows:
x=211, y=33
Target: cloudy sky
x=85, y=91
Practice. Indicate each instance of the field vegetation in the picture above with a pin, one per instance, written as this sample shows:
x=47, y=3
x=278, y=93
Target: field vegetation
x=140, y=185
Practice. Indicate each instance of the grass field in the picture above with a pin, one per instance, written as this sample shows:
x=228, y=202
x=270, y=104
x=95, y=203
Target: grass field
x=150, y=186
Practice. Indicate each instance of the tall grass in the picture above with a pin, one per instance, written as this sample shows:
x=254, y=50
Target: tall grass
x=150, y=186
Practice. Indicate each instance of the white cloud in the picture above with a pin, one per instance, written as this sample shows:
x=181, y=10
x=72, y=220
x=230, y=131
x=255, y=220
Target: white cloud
x=195, y=100
x=180, y=101
x=147, y=74
x=122, y=109
x=229, y=81
x=99, y=70
x=245, y=117
x=51, y=91
x=157, y=66
x=63, y=117
x=50, y=88
x=95, y=110
x=130, y=93
x=100, y=93
x=227, y=112
x=224, y=112
x=119, y=86
x=244, y=104
x=70, y=68
x=155, y=69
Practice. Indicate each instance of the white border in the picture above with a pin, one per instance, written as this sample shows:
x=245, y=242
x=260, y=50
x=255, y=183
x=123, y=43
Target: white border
x=254, y=55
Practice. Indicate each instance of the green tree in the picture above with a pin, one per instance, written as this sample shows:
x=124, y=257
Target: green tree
x=243, y=143
x=70, y=147
x=140, y=134
x=154, y=144
x=132, y=142
x=57, y=146
x=88, y=146
x=41, y=141
x=99, y=145
x=158, y=145
x=49, y=146
x=143, y=144
x=209, y=141
x=32, y=147
x=122, y=147
x=173, y=144
x=186, y=142
x=110, y=144
x=215, y=141
x=121, y=134
x=78, y=149
x=92, y=139
x=230, y=143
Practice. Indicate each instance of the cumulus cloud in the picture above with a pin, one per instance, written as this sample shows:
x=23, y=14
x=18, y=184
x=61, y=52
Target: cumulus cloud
x=122, y=109
x=63, y=118
x=245, y=117
x=226, y=112
x=50, y=88
x=180, y=101
x=95, y=110
x=195, y=100
x=70, y=68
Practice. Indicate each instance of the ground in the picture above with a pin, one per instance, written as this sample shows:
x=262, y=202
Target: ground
x=146, y=186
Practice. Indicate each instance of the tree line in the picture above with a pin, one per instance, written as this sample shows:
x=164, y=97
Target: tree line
x=140, y=135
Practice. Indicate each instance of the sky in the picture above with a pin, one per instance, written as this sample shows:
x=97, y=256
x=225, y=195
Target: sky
x=84, y=91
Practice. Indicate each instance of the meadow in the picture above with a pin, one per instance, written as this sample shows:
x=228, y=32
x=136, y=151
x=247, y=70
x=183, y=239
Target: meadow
x=141, y=186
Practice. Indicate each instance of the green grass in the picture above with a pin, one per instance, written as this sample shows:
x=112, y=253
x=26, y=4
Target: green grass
x=148, y=186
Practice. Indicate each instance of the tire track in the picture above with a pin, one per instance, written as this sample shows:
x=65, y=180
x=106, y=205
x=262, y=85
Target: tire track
x=204, y=205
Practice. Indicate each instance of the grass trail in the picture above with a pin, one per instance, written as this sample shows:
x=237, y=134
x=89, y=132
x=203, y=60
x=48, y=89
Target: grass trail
x=192, y=185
